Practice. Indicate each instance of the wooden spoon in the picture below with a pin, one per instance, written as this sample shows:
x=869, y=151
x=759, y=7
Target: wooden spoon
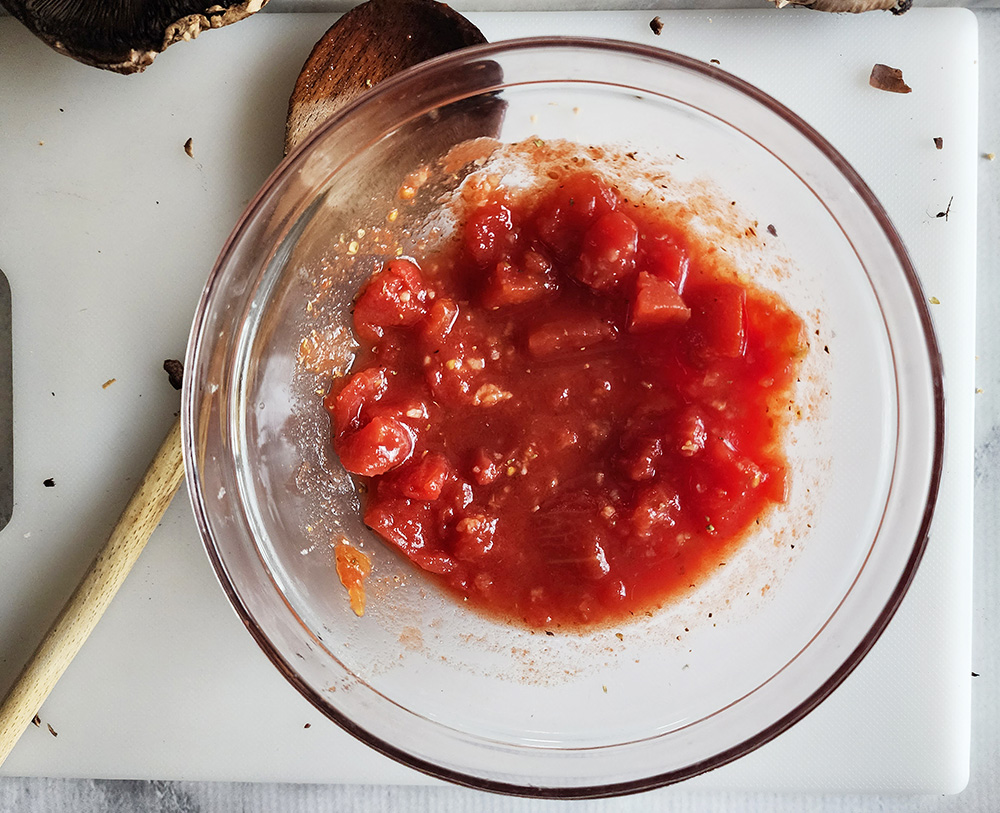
x=368, y=44
x=371, y=42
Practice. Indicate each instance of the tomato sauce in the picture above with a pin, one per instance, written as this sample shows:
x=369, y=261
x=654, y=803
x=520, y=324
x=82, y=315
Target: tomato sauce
x=567, y=416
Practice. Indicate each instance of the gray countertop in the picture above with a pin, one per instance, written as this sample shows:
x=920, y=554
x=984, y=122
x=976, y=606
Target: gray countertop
x=983, y=791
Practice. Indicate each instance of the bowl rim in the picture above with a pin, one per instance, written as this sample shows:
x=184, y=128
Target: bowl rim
x=867, y=199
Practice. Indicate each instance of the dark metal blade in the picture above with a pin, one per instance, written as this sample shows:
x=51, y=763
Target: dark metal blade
x=6, y=407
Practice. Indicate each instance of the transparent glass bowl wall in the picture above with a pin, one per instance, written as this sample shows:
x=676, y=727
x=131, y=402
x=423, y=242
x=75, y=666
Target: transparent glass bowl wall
x=481, y=703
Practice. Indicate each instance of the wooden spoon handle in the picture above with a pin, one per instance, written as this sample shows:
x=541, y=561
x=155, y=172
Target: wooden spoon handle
x=92, y=596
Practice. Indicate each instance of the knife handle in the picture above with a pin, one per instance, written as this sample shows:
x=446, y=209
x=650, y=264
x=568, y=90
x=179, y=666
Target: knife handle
x=80, y=614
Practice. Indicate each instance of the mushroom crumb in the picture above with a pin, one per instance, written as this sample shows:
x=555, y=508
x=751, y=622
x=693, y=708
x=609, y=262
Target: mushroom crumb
x=175, y=372
x=52, y=731
x=36, y=721
x=939, y=143
x=189, y=147
x=656, y=26
x=771, y=230
x=885, y=78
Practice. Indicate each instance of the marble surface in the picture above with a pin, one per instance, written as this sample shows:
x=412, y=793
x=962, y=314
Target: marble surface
x=983, y=791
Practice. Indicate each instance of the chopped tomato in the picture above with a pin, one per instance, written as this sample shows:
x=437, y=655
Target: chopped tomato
x=567, y=335
x=395, y=297
x=572, y=535
x=607, y=256
x=473, y=536
x=529, y=279
x=410, y=525
x=484, y=468
x=563, y=218
x=379, y=446
x=362, y=388
x=657, y=510
x=490, y=234
x=424, y=479
x=655, y=303
x=440, y=321
x=665, y=260
x=718, y=320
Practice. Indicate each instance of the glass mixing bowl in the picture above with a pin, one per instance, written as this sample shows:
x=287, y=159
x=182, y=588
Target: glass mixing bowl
x=617, y=709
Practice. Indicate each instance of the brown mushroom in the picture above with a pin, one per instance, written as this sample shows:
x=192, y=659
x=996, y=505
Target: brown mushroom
x=124, y=36
x=851, y=6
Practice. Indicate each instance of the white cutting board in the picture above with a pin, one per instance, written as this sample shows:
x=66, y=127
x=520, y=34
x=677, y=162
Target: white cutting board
x=107, y=233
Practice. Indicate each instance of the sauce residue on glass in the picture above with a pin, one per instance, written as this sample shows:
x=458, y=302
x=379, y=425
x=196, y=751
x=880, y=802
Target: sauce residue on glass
x=353, y=567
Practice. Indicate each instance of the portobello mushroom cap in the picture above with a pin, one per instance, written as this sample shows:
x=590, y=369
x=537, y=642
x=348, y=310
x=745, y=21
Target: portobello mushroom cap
x=123, y=36
x=849, y=6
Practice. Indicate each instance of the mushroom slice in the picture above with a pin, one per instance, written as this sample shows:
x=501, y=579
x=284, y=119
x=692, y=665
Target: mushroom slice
x=123, y=36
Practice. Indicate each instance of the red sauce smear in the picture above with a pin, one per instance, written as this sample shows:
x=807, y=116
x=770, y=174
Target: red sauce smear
x=567, y=418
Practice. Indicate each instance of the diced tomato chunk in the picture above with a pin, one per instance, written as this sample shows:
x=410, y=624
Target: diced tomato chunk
x=780, y=330
x=657, y=509
x=655, y=303
x=473, y=536
x=563, y=218
x=607, y=255
x=424, y=479
x=717, y=327
x=567, y=335
x=396, y=296
x=690, y=435
x=571, y=534
x=529, y=280
x=490, y=234
x=377, y=447
x=775, y=482
x=440, y=320
x=640, y=457
x=346, y=406
x=665, y=260
x=410, y=526
x=484, y=468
